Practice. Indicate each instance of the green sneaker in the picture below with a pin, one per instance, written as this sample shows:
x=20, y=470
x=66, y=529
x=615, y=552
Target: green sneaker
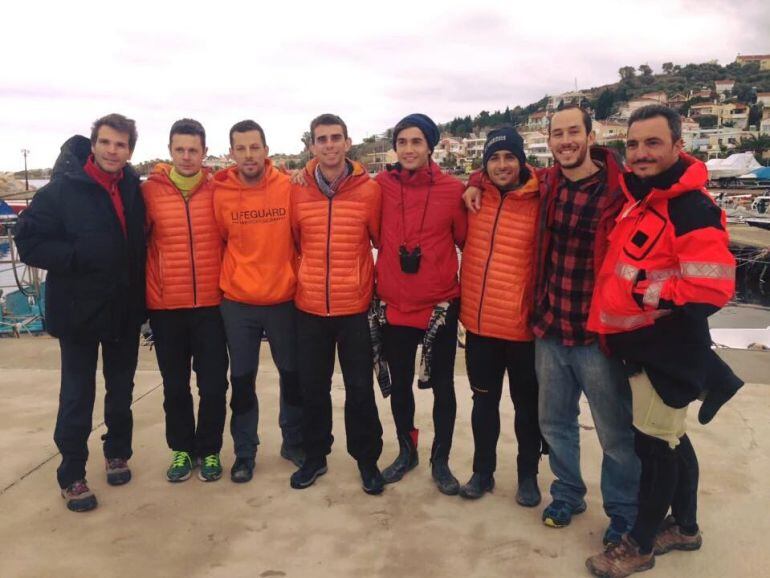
x=211, y=468
x=180, y=468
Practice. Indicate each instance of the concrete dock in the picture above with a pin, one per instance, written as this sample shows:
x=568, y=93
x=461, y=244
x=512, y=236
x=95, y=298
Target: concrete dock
x=264, y=528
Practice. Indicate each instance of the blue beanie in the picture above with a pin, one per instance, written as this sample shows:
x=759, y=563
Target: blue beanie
x=504, y=139
x=424, y=123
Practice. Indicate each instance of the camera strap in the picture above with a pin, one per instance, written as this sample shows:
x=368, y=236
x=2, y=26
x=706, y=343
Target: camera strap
x=422, y=220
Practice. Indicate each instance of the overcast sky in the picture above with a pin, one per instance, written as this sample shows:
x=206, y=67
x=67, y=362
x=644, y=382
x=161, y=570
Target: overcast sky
x=282, y=63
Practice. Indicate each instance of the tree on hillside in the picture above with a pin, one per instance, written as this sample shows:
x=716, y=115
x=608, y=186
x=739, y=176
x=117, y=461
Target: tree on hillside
x=758, y=145
x=668, y=67
x=626, y=73
x=618, y=145
x=604, y=104
x=645, y=69
x=755, y=114
x=708, y=121
x=744, y=92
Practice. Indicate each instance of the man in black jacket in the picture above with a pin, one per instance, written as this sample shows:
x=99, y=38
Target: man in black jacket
x=86, y=227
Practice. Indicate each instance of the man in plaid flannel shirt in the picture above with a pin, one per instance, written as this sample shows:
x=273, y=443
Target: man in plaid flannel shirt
x=580, y=198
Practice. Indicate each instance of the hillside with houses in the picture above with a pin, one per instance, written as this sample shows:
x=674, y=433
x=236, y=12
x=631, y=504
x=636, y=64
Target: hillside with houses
x=724, y=109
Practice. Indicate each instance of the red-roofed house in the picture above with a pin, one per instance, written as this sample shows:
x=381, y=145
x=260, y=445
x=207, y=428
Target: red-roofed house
x=763, y=59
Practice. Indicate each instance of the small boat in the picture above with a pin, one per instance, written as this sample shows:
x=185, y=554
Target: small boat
x=760, y=222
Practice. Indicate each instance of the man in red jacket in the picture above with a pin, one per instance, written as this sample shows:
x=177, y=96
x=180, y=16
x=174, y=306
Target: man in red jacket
x=183, y=265
x=423, y=223
x=668, y=267
x=335, y=218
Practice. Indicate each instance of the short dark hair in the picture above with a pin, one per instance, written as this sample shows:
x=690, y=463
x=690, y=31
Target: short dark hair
x=587, y=122
x=656, y=110
x=327, y=120
x=247, y=126
x=190, y=127
x=116, y=122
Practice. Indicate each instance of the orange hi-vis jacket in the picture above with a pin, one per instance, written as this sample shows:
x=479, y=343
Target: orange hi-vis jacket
x=334, y=236
x=667, y=251
x=184, y=252
x=498, y=267
x=259, y=265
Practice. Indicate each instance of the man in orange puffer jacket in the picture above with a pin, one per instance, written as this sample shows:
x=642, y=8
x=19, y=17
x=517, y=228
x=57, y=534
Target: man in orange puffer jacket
x=184, y=254
x=335, y=219
x=251, y=204
x=496, y=302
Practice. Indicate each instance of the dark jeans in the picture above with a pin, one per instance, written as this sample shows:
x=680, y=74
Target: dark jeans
x=245, y=326
x=488, y=359
x=194, y=339
x=669, y=479
x=318, y=338
x=76, y=401
x=400, y=350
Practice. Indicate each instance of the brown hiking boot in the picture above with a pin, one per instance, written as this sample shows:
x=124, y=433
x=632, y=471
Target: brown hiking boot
x=117, y=471
x=78, y=497
x=620, y=561
x=670, y=537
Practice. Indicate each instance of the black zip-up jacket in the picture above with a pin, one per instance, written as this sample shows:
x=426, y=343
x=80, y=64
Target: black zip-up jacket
x=95, y=287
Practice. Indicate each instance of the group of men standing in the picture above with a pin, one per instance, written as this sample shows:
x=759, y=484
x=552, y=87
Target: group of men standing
x=575, y=279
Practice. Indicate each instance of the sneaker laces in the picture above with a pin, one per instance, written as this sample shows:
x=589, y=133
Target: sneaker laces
x=211, y=461
x=180, y=460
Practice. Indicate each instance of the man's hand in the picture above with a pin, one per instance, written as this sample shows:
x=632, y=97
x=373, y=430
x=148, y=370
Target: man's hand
x=472, y=198
x=298, y=178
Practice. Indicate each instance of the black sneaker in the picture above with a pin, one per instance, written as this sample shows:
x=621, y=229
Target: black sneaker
x=118, y=472
x=445, y=481
x=294, y=453
x=371, y=479
x=307, y=474
x=242, y=470
x=528, y=494
x=477, y=486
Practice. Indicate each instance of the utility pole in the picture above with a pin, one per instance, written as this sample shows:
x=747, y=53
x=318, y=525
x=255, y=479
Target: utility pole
x=25, y=152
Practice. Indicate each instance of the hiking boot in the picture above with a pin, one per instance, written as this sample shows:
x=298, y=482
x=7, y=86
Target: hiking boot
x=306, y=475
x=78, y=497
x=371, y=479
x=211, y=468
x=407, y=459
x=620, y=561
x=180, y=468
x=614, y=532
x=242, y=470
x=117, y=471
x=442, y=475
x=559, y=513
x=670, y=537
x=528, y=494
x=477, y=486
x=294, y=453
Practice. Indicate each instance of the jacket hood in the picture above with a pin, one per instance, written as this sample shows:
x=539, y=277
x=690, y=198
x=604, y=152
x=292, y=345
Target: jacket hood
x=228, y=178
x=73, y=156
x=694, y=178
x=531, y=188
x=358, y=175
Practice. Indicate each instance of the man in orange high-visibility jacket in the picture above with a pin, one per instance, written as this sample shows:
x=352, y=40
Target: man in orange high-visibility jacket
x=668, y=267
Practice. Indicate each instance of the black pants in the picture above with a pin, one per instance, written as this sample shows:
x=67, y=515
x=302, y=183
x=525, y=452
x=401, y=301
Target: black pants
x=400, y=350
x=669, y=479
x=76, y=400
x=317, y=339
x=194, y=339
x=488, y=359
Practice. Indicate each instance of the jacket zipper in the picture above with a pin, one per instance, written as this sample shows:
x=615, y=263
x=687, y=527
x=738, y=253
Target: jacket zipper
x=489, y=259
x=329, y=260
x=192, y=250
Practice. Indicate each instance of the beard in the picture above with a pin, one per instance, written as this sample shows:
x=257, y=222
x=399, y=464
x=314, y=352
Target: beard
x=582, y=153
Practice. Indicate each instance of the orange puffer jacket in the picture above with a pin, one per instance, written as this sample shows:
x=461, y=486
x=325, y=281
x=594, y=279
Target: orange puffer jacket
x=260, y=259
x=497, y=275
x=184, y=252
x=334, y=236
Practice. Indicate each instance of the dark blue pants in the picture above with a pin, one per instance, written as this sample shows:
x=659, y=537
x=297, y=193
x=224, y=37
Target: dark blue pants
x=76, y=400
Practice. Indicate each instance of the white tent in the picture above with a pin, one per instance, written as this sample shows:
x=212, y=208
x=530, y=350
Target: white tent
x=733, y=166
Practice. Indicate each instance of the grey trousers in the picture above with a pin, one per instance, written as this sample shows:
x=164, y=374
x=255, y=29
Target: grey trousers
x=245, y=326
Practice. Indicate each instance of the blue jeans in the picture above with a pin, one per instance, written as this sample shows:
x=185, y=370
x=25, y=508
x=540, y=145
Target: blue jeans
x=563, y=372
